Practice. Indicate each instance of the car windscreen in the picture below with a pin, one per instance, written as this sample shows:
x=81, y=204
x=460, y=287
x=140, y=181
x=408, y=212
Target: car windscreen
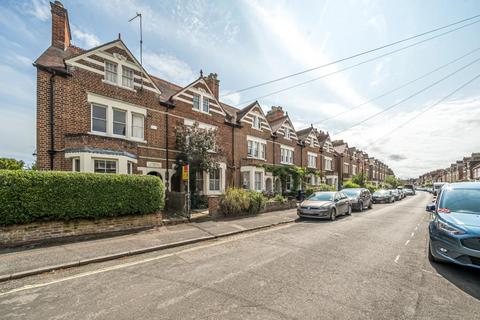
x=351, y=192
x=461, y=200
x=380, y=192
x=323, y=196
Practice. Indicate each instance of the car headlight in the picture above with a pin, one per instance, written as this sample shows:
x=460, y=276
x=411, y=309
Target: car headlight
x=448, y=228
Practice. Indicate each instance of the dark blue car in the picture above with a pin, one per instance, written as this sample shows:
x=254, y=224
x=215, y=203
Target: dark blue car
x=455, y=227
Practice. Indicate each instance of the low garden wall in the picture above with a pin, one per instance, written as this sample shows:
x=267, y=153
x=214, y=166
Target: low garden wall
x=55, y=231
x=43, y=206
x=279, y=205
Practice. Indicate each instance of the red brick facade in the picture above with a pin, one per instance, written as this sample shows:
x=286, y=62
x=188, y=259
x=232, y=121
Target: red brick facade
x=100, y=106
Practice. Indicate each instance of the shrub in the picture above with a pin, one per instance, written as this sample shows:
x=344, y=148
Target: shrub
x=350, y=184
x=29, y=196
x=279, y=198
x=257, y=202
x=240, y=202
x=235, y=202
x=371, y=187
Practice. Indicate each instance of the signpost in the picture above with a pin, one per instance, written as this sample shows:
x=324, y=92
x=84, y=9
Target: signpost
x=186, y=178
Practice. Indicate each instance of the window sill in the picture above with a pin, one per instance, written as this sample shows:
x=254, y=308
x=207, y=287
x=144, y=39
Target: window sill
x=106, y=135
x=255, y=158
x=287, y=163
x=201, y=111
x=118, y=85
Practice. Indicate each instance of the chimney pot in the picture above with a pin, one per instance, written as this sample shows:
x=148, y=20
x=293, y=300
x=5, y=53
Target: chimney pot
x=61, y=36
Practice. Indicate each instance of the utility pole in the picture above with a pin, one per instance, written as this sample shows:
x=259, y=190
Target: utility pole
x=139, y=15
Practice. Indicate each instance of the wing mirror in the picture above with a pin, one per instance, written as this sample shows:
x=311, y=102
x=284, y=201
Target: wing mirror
x=430, y=207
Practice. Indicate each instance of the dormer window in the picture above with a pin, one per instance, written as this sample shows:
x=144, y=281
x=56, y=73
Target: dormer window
x=287, y=133
x=127, y=77
x=196, y=102
x=312, y=142
x=201, y=103
x=256, y=124
x=111, y=72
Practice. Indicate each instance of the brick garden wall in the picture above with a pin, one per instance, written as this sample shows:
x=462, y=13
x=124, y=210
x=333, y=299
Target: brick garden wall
x=52, y=231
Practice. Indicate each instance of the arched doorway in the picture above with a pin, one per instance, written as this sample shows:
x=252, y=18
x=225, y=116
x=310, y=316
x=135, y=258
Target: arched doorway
x=156, y=174
x=278, y=185
x=268, y=185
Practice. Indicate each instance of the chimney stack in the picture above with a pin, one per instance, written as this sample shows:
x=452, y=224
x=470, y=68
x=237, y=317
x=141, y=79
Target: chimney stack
x=61, y=36
x=275, y=113
x=213, y=83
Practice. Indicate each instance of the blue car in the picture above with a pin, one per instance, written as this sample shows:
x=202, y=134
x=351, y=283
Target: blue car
x=455, y=227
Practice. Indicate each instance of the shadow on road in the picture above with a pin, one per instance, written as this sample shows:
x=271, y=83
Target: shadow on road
x=466, y=279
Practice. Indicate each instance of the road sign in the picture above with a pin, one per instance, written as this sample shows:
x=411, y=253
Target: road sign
x=185, y=172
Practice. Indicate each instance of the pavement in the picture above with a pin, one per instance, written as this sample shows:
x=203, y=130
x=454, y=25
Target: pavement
x=21, y=263
x=371, y=265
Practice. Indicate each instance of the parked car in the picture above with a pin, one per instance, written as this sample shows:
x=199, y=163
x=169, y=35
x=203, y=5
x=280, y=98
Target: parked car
x=383, y=195
x=409, y=192
x=326, y=204
x=396, y=194
x=455, y=228
x=437, y=186
x=402, y=192
x=360, y=198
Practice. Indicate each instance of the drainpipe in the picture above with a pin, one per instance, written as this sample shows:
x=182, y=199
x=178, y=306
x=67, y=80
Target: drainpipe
x=52, y=151
x=233, y=158
x=168, y=105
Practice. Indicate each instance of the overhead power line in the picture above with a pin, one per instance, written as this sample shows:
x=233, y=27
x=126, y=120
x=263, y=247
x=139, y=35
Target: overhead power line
x=353, y=56
x=425, y=110
x=399, y=87
x=409, y=97
x=357, y=64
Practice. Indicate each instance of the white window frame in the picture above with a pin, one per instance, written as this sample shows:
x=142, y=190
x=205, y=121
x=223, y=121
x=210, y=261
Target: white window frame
x=256, y=148
x=76, y=165
x=110, y=105
x=142, y=127
x=258, y=183
x=312, y=160
x=215, y=180
x=117, y=122
x=346, y=167
x=286, y=154
x=92, y=105
x=105, y=160
x=256, y=122
x=130, y=81
x=328, y=163
x=286, y=131
x=114, y=72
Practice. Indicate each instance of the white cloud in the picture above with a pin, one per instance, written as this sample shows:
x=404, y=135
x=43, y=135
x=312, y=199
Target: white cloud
x=20, y=60
x=168, y=67
x=232, y=99
x=39, y=9
x=85, y=40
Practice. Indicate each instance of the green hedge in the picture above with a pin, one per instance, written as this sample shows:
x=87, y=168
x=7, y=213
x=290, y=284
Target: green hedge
x=29, y=196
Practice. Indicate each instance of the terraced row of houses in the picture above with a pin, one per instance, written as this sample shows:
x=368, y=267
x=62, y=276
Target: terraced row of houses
x=467, y=169
x=99, y=110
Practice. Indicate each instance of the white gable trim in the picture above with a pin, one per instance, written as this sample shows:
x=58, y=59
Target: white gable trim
x=209, y=94
x=100, y=51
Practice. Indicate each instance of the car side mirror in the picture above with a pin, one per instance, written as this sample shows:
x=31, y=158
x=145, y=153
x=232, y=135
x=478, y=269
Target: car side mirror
x=430, y=207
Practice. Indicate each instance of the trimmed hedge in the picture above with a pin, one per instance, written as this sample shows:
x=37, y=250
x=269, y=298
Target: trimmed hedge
x=30, y=196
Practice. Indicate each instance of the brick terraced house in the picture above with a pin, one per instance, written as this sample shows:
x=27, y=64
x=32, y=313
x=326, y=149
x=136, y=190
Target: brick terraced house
x=99, y=110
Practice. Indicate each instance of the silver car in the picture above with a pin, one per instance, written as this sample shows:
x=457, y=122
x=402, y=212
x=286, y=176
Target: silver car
x=328, y=204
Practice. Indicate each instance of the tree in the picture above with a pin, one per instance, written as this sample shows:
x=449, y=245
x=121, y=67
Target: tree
x=360, y=179
x=392, y=181
x=11, y=164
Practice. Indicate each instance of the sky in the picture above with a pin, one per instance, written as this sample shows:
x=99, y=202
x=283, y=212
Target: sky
x=250, y=42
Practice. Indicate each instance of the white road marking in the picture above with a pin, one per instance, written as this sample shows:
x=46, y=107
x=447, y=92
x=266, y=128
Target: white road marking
x=134, y=263
x=406, y=243
x=413, y=233
x=416, y=228
x=396, y=259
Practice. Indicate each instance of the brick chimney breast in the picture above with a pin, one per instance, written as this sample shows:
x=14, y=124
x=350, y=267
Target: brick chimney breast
x=213, y=83
x=60, y=26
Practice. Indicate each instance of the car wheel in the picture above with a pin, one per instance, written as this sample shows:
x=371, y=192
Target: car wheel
x=333, y=214
x=349, y=212
x=360, y=208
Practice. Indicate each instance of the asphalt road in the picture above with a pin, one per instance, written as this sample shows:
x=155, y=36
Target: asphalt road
x=371, y=265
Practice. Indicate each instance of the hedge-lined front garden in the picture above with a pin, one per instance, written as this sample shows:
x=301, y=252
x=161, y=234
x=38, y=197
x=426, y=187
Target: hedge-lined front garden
x=31, y=196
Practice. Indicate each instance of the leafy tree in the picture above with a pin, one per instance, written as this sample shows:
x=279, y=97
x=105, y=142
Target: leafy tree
x=11, y=164
x=360, y=179
x=392, y=181
x=350, y=184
